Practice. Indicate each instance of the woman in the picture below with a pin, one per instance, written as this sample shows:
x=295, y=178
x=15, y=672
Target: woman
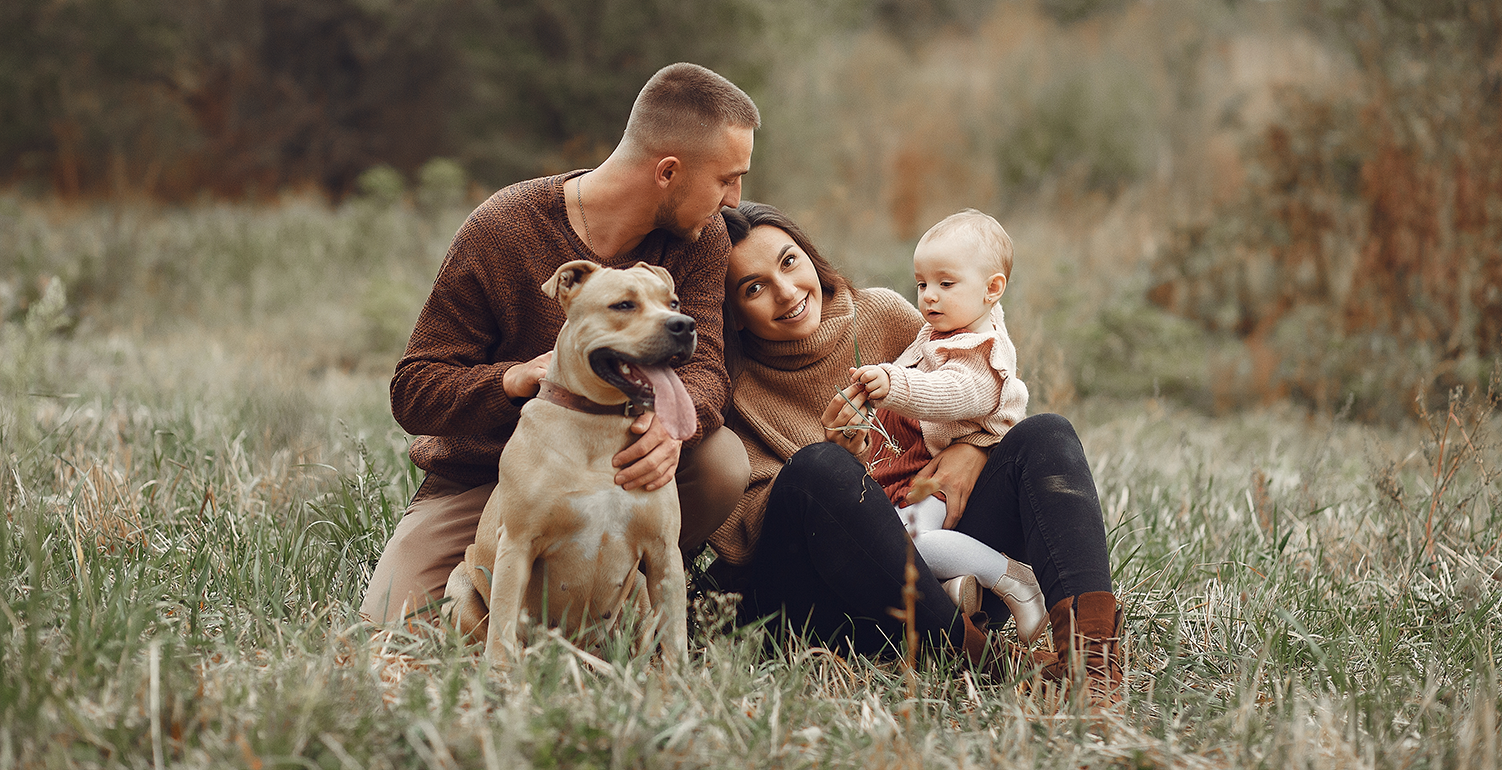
x=816, y=536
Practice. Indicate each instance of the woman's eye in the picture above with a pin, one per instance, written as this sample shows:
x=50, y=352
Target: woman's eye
x=624, y=306
x=789, y=260
x=752, y=289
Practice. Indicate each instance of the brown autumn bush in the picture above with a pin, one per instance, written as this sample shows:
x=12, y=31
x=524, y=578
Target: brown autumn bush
x=1362, y=264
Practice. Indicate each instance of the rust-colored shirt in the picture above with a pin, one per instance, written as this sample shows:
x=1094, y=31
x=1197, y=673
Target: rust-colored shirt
x=895, y=472
x=487, y=313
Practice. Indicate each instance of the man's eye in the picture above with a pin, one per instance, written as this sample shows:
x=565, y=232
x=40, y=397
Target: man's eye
x=628, y=305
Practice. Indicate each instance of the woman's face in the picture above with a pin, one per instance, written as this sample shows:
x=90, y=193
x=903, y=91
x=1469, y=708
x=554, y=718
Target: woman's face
x=773, y=289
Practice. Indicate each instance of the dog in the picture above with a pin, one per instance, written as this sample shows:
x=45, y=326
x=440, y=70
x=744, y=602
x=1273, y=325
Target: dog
x=558, y=537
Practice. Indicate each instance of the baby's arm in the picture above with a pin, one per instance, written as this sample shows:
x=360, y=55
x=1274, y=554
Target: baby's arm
x=963, y=388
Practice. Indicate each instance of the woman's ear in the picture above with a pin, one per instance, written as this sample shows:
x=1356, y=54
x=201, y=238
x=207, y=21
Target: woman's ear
x=996, y=286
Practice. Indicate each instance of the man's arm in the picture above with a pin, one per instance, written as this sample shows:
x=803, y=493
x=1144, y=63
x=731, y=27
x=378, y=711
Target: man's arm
x=445, y=384
x=699, y=281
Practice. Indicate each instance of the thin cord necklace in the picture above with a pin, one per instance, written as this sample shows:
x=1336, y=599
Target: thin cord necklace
x=579, y=197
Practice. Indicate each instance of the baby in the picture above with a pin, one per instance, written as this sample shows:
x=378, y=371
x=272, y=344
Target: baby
x=957, y=381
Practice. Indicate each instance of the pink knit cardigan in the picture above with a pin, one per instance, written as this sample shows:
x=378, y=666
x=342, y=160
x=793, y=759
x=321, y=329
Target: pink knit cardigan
x=958, y=386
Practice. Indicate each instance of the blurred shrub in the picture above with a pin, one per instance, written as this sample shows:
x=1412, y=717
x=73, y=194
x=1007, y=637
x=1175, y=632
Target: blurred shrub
x=1093, y=123
x=440, y=185
x=1365, y=258
x=1070, y=11
x=381, y=185
x=1130, y=349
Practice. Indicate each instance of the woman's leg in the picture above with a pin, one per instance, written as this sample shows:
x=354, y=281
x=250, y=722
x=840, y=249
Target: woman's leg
x=833, y=548
x=1035, y=500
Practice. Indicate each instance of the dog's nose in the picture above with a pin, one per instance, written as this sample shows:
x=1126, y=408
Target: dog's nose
x=681, y=327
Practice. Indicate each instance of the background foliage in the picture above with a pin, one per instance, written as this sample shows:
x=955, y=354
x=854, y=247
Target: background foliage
x=1239, y=227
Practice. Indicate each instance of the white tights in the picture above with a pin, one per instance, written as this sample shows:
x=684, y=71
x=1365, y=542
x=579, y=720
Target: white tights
x=947, y=552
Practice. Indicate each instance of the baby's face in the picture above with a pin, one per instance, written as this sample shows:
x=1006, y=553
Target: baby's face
x=955, y=290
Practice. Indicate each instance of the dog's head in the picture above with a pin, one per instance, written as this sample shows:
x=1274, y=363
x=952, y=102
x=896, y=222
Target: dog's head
x=625, y=328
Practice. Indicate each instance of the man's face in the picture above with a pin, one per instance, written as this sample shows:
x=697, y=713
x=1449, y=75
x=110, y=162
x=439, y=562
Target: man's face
x=706, y=182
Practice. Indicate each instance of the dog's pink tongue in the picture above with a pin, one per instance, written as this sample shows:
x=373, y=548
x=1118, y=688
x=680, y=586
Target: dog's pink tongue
x=674, y=407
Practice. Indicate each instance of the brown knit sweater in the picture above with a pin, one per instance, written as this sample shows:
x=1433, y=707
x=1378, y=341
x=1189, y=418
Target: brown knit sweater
x=781, y=389
x=486, y=314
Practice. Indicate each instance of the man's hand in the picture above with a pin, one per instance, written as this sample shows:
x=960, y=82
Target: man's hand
x=520, y=381
x=956, y=470
x=652, y=460
x=876, y=380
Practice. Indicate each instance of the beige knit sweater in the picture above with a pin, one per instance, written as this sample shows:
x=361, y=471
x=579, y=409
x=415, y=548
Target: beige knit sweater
x=959, y=386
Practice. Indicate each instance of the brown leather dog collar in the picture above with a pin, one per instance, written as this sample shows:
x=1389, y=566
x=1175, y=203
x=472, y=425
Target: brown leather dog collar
x=547, y=391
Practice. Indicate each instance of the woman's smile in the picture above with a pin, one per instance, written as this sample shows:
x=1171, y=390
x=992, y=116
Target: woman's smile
x=772, y=286
x=796, y=311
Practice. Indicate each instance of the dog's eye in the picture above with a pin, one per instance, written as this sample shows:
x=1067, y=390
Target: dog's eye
x=624, y=307
x=673, y=305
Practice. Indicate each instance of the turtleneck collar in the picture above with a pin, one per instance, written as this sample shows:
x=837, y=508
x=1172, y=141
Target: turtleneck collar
x=835, y=320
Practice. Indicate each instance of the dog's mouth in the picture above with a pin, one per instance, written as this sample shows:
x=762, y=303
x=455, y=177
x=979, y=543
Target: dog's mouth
x=652, y=387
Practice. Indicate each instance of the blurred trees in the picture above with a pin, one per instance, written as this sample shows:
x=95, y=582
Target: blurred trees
x=1364, y=257
x=172, y=99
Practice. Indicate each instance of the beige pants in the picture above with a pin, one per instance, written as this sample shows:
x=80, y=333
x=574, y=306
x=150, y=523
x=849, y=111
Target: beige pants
x=431, y=538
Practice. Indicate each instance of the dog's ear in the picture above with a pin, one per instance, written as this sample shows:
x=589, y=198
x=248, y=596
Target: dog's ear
x=661, y=272
x=567, y=280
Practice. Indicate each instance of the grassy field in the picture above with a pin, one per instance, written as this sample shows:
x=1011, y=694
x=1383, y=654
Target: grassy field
x=199, y=468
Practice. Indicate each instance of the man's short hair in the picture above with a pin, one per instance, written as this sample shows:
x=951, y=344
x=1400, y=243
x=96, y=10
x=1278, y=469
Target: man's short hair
x=991, y=240
x=684, y=106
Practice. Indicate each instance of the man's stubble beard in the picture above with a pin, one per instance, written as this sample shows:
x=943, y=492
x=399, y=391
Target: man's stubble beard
x=666, y=219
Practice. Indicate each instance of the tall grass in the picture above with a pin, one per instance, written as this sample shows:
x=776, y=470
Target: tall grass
x=192, y=505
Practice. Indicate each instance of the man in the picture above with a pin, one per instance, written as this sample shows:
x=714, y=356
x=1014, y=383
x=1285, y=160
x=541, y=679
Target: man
x=486, y=333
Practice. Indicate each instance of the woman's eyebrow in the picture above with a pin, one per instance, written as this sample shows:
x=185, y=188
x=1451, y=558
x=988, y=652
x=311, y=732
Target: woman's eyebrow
x=748, y=278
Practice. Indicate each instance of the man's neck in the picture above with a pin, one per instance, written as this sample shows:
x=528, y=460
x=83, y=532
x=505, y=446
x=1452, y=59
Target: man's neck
x=609, y=209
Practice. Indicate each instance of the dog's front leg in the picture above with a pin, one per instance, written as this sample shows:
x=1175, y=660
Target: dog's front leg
x=508, y=588
x=667, y=588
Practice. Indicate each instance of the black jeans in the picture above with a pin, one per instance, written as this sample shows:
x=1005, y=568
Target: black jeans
x=833, y=551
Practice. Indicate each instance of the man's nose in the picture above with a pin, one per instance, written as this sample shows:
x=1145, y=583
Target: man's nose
x=732, y=195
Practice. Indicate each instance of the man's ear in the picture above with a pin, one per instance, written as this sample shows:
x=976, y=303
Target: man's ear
x=660, y=272
x=668, y=169
x=566, y=281
x=996, y=285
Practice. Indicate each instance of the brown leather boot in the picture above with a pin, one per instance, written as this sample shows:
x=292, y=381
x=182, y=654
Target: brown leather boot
x=1087, y=640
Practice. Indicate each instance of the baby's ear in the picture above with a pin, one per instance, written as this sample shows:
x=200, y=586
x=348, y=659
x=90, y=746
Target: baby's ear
x=996, y=286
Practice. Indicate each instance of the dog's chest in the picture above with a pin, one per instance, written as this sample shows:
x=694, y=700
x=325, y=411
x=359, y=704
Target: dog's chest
x=598, y=517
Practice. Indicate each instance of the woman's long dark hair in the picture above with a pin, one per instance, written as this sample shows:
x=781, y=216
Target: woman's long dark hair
x=740, y=221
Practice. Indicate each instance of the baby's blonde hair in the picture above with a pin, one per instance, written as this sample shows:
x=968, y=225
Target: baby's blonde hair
x=991, y=240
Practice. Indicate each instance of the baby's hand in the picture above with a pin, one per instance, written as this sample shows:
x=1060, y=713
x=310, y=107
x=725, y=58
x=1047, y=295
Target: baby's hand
x=874, y=379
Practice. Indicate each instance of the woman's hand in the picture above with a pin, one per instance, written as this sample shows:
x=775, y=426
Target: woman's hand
x=840, y=417
x=956, y=470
